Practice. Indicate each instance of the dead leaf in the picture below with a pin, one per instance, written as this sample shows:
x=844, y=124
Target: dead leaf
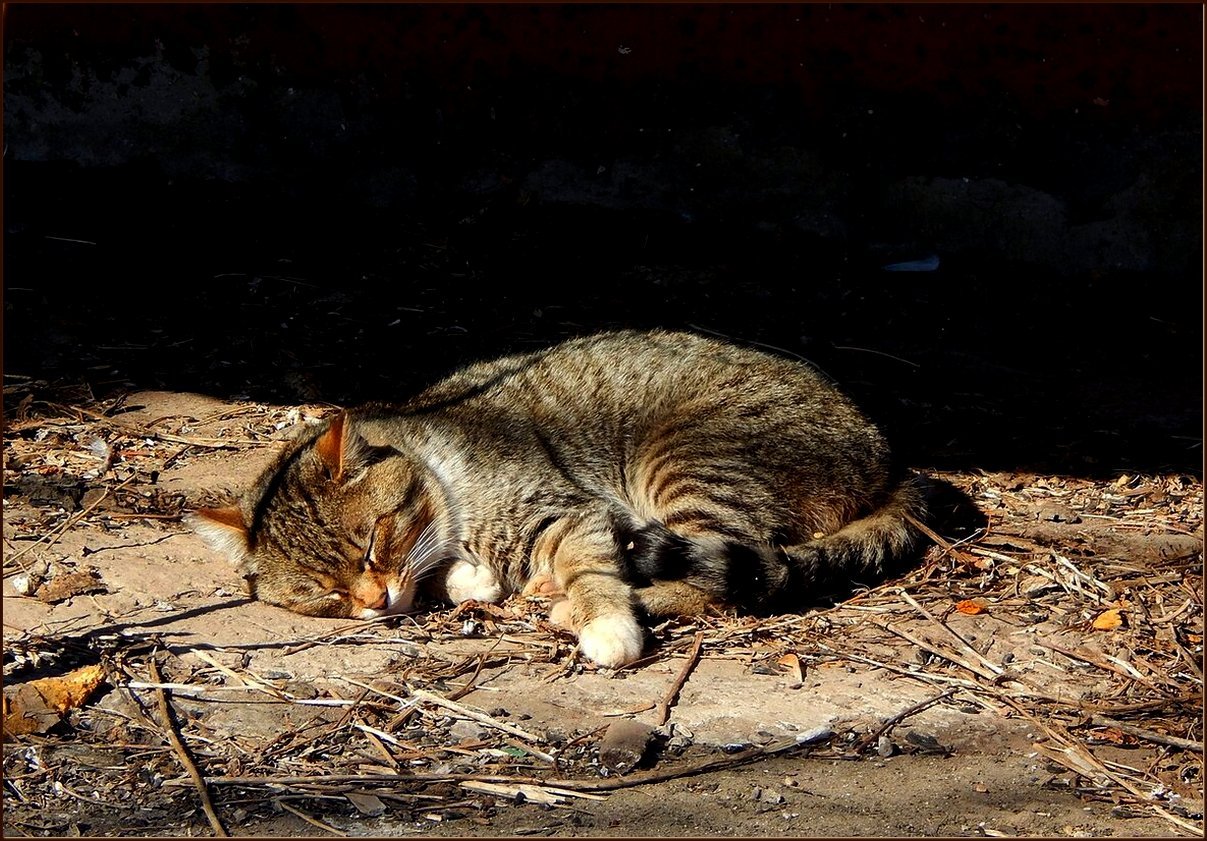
x=971, y=607
x=1111, y=734
x=1108, y=620
x=63, y=587
x=36, y=706
x=1037, y=585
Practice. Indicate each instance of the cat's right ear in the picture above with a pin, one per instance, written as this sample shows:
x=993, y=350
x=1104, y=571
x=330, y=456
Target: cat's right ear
x=340, y=448
x=223, y=529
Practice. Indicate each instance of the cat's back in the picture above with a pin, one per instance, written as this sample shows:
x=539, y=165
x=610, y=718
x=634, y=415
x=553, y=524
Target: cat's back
x=619, y=370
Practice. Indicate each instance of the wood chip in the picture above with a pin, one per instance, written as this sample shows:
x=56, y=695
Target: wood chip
x=36, y=706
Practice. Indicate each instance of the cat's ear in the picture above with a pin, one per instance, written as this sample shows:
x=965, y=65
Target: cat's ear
x=341, y=449
x=223, y=529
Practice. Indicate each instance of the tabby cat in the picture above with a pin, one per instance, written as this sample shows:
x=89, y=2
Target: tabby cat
x=655, y=471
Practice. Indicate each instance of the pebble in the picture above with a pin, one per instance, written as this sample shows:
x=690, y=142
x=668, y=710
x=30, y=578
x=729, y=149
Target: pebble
x=464, y=730
x=884, y=746
x=623, y=744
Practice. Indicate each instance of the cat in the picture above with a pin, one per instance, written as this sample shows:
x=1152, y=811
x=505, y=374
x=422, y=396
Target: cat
x=632, y=471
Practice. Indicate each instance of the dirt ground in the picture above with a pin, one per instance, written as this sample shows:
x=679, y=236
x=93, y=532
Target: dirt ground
x=995, y=654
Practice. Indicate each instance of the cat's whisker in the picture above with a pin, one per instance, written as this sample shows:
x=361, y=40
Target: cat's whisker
x=425, y=542
x=431, y=559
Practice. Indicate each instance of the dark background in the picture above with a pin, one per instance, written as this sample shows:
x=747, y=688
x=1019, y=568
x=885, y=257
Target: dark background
x=341, y=203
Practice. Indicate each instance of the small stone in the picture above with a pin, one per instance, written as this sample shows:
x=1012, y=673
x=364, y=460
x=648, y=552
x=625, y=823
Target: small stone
x=925, y=743
x=26, y=583
x=301, y=690
x=884, y=747
x=366, y=804
x=464, y=730
x=623, y=744
x=816, y=734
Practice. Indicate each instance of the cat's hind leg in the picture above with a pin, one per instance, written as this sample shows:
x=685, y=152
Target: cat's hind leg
x=542, y=584
x=582, y=552
x=660, y=599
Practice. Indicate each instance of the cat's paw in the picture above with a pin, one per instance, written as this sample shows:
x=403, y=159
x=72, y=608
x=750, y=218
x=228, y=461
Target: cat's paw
x=543, y=584
x=561, y=613
x=472, y=581
x=611, y=640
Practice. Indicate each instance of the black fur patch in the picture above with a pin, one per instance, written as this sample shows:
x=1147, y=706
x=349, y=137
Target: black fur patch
x=655, y=552
x=753, y=578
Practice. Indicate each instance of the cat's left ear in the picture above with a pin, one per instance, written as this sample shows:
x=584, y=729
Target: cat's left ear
x=340, y=448
x=223, y=529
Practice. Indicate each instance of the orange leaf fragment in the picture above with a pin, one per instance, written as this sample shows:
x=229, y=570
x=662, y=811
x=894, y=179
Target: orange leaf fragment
x=971, y=606
x=1108, y=620
x=790, y=663
x=1112, y=734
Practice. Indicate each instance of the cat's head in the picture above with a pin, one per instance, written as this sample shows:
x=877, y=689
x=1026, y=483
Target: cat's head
x=336, y=527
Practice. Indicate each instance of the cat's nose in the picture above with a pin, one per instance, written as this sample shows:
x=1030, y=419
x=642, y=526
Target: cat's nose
x=370, y=593
x=380, y=602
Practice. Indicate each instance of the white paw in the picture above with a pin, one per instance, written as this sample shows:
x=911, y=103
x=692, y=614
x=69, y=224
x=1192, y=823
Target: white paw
x=562, y=614
x=611, y=640
x=472, y=581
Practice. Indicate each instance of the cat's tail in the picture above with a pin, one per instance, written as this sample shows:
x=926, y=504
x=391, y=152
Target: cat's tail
x=773, y=578
x=863, y=550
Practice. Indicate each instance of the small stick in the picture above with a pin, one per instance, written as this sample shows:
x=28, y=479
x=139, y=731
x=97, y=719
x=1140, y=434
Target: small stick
x=469, y=684
x=134, y=515
x=900, y=717
x=201, y=694
x=371, y=735
x=1074, y=754
x=310, y=820
x=183, y=754
x=1086, y=658
x=606, y=784
x=997, y=670
x=481, y=718
x=1170, y=617
x=1148, y=735
x=938, y=652
x=664, y=703
x=939, y=540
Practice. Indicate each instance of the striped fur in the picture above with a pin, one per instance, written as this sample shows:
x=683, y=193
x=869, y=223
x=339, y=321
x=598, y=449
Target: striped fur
x=655, y=470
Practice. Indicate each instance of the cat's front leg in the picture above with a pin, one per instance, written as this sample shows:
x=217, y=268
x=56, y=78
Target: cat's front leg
x=585, y=560
x=466, y=580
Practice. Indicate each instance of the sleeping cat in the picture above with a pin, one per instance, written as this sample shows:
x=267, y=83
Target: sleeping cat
x=659, y=471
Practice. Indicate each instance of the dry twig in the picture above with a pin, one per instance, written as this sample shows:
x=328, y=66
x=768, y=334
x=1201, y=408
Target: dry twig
x=185, y=760
x=664, y=703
